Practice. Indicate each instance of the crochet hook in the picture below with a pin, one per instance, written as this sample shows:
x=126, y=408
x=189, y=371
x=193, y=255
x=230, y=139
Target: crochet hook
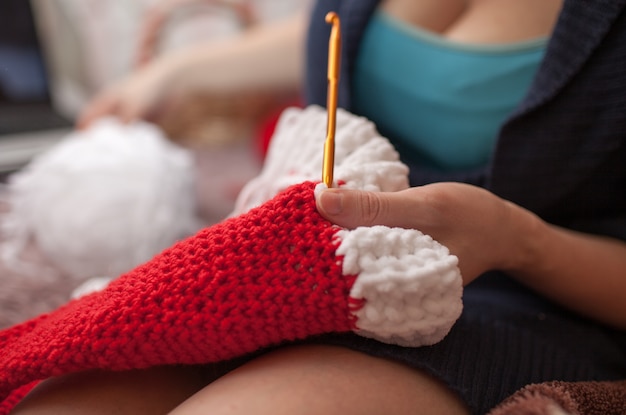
x=334, y=51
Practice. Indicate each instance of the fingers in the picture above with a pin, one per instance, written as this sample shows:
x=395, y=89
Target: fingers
x=459, y=216
x=129, y=99
x=113, y=103
x=354, y=208
x=98, y=108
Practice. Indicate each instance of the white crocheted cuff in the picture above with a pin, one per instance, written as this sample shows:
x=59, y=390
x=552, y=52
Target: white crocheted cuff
x=363, y=158
x=409, y=285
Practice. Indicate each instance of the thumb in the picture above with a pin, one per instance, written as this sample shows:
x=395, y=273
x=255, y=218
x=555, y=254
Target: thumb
x=354, y=208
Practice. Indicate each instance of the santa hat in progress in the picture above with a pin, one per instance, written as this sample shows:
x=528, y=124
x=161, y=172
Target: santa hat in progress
x=279, y=272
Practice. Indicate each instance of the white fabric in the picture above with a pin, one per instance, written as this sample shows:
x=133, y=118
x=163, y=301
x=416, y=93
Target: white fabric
x=363, y=159
x=411, y=284
x=102, y=201
x=92, y=285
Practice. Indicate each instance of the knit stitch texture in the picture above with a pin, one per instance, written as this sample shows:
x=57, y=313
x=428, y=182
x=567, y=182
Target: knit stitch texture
x=247, y=283
x=278, y=272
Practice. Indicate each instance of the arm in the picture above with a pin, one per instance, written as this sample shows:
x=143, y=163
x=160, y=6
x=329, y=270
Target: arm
x=582, y=272
x=264, y=58
x=586, y=273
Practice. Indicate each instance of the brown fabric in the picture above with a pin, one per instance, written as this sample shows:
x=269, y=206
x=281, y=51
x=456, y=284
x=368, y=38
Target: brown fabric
x=574, y=398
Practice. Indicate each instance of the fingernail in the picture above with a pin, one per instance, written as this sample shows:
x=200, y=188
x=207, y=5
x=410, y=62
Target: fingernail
x=332, y=202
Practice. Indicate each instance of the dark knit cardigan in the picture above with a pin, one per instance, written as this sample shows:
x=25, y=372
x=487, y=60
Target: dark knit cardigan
x=562, y=152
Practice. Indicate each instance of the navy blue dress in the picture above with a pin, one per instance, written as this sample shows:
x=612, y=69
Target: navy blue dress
x=562, y=155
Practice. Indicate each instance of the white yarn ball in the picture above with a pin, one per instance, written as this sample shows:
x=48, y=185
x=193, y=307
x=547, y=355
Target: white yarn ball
x=103, y=200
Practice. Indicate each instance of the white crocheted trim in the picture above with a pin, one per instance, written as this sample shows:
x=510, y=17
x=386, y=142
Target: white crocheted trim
x=363, y=158
x=411, y=284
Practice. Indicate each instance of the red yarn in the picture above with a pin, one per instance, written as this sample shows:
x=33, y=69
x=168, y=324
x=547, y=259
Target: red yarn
x=256, y=280
x=15, y=397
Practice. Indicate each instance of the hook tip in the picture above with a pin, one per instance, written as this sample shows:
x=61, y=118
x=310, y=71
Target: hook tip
x=331, y=17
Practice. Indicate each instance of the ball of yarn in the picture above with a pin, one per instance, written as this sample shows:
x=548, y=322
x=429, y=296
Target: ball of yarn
x=102, y=200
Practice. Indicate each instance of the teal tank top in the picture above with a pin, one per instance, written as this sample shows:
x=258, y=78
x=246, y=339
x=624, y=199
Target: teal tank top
x=440, y=102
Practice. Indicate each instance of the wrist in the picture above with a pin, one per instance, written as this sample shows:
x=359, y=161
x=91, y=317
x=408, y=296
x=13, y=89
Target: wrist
x=529, y=232
x=176, y=70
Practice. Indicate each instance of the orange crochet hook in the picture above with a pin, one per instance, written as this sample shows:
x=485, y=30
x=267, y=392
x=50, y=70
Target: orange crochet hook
x=334, y=52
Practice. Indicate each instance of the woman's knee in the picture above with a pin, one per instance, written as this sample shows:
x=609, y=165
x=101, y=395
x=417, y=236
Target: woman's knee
x=323, y=380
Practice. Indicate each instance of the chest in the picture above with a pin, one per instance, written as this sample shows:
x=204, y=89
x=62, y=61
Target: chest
x=479, y=21
x=439, y=101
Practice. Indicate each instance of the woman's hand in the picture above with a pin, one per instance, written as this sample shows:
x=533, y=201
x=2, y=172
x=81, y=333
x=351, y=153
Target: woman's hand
x=484, y=231
x=142, y=95
x=583, y=272
x=267, y=57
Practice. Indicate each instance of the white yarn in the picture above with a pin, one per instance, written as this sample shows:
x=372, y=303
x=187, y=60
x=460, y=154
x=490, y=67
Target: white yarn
x=363, y=159
x=92, y=285
x=101, y=201
x=411, y=284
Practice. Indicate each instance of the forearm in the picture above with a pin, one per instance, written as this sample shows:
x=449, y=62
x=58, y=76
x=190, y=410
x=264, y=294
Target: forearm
x=585, y=273
x=266, y=57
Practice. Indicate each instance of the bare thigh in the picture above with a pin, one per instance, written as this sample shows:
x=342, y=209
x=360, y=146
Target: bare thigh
x=152, y=391
x=323, y=380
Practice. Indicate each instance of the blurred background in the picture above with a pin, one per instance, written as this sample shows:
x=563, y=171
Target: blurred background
x=56, y=54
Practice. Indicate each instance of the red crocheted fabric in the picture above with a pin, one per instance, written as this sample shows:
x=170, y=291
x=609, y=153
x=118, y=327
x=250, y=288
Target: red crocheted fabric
x=265, y=277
